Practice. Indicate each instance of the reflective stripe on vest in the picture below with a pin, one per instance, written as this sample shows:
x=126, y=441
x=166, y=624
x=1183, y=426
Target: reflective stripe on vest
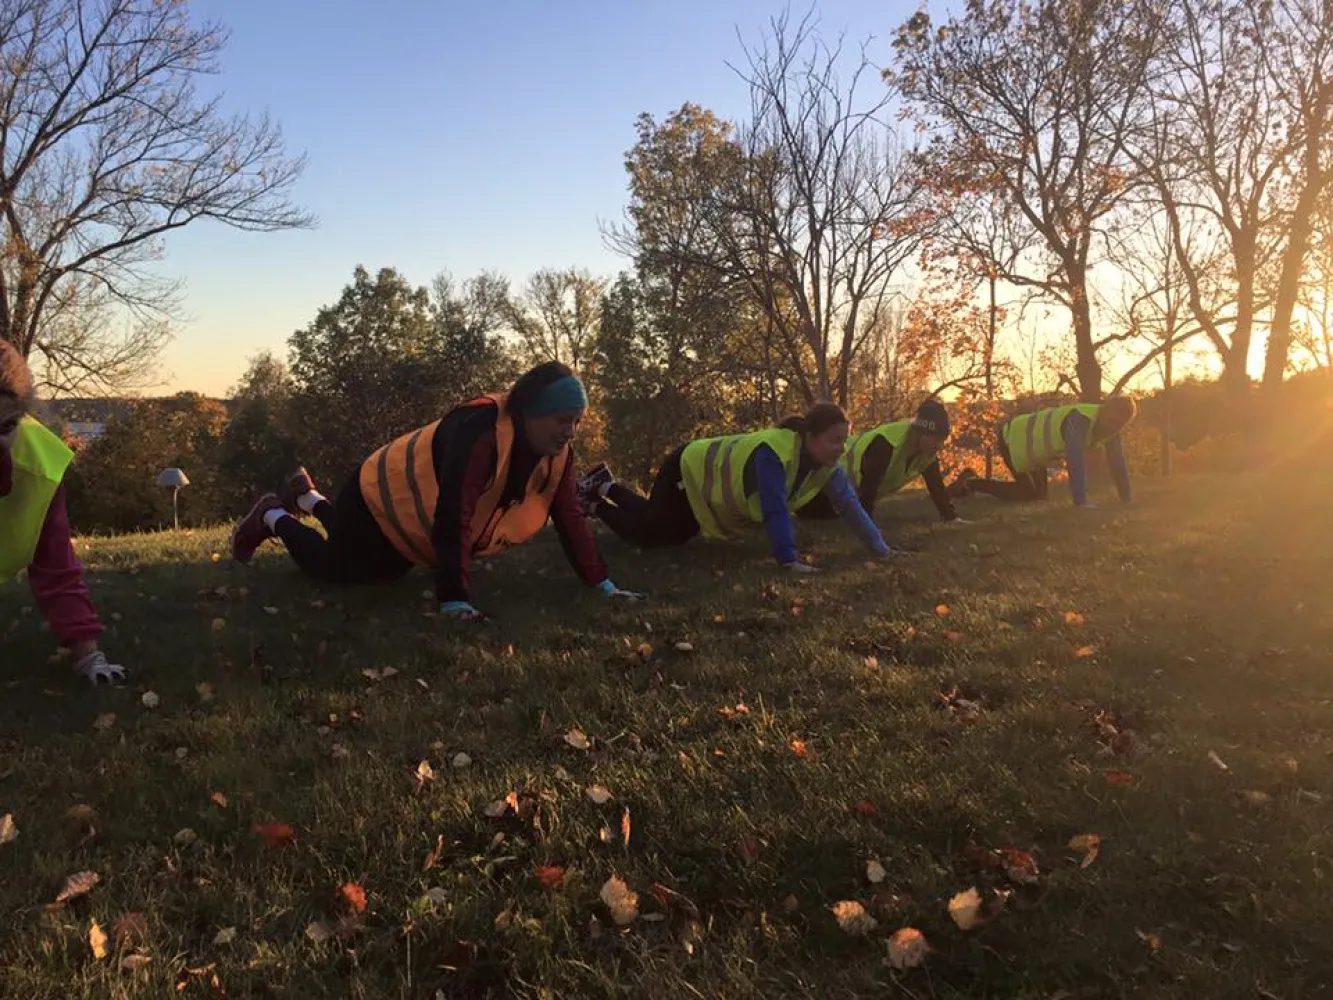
x=40, y=459
x=1036, y=439
x=713, y=470
x=401, y=488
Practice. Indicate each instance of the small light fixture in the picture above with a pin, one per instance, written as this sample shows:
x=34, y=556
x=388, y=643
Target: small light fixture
x=175, y=480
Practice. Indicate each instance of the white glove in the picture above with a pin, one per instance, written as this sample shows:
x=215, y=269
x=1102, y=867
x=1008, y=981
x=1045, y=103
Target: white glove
x=95, y=669
x=800, y=567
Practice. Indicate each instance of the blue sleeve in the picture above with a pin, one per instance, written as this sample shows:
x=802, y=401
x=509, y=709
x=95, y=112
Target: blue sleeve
x=772, y=480
x=1115, y=458
x=1076, y=435
x=848, y=505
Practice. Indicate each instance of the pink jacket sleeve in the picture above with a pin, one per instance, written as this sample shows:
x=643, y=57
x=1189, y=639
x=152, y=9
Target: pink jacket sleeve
x=56, y=578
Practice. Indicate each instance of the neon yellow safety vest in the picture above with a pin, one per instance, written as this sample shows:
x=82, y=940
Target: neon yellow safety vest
x=40, y=460
x=714, y=473
x=1037, y=439
x=900, y=472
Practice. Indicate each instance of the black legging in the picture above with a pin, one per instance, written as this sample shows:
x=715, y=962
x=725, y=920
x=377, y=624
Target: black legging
x=662, y=518
x=355, y=550
x=1026, y=485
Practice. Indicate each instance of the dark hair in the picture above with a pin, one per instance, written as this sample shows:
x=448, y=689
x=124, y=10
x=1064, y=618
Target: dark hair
x=816, y=420
x=531, y=383
x=1123, y=406
x=15, y=376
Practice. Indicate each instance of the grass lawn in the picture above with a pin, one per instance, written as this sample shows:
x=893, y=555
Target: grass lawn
x=1157, y=675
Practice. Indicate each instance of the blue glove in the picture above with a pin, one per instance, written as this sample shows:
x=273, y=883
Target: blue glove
x=461, y=610
x=611, y=590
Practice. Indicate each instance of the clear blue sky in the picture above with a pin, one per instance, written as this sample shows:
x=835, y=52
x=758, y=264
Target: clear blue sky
x=447, y=134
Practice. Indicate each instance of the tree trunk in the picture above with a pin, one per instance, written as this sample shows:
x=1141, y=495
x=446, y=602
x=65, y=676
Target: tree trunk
x=1166, y=408
x=1235, y=369
x=1293, y=260
x=1089, y=370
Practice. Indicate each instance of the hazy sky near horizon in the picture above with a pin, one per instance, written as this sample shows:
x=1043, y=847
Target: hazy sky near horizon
x=449, y=135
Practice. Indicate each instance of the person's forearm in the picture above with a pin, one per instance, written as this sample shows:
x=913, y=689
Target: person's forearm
x=58, y=584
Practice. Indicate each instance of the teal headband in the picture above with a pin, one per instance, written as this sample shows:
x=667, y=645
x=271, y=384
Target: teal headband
x=564, y=395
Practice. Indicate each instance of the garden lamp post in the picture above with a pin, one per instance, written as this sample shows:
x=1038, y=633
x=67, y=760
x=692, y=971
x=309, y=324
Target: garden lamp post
x=173, y=479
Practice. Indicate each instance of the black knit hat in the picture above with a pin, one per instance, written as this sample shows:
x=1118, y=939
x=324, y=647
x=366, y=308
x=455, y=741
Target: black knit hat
x=932, y=418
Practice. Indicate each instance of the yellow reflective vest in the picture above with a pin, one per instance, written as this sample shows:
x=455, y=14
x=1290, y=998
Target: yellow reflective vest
x=900, y=471
x=40, y=459
x=714, y=473
x=1037, y=439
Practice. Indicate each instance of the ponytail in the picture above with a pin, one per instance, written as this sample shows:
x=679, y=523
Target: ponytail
x=816, y=420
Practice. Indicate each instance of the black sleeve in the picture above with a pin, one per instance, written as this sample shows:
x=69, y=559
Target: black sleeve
x=938, y=491
x=464, y=466
x=874, y=464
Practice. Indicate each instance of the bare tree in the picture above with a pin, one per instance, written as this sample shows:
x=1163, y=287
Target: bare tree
x=1033, y=101
x=106, y=147
x=826, y=212
x=558, y=316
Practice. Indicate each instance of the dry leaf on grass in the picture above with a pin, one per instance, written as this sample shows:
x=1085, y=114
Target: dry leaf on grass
x=129, y=928
x=135, y=962
x=625, y=826
x=1253, y=797
x=352, y=898
x=550, y=876
x=1121, y=779
x=853, y=918
x=9, y=831
x=218, y=799
x=875, y=872
x=1020, y=866
x=461, y=760
x=496, y=809
x=97, y=941
x=598, y=794
x=1073, y=618
x=433, y=858
x=318, y=931
x=1217, y=761
x=105, y=721
x=78, y=884
x=1153, y=942
x=907, y=948
x=747, y=848
x=150, y=699
x=577, y=739
x=865, y=808
x=942, y=610
x=1083, y=652
x=670, y=899
x=276, y=835
x=954, y=637
x=965, y=909
x=799, y=748
x=185, y=837
x=423, y=775
x=1088, y=845
x=620, y=900
x=224, y=937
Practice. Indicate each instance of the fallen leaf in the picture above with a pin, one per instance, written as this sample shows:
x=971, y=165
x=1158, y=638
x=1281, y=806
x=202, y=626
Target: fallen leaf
x=598, y=794
x=424, y=774
x=1020, y=866
x=185, y=837
x=684, y=647
x=965, y=909
x=150, y=699
x=562, y=775
x=865, y=808
x=433, y=858
x=218, y=799
x=607, y=835
x=620, y=900
x=907, y=948
x=135, y=962
x=1083, y=652
x=224, y=937
x=318, y=931
x=352, y=898
x=276, y=835
x=105, y=721
x=1217, y=761
x=942, y=610
x=496, y=809
x=78, y=884
x=791, y=904
x=129, y=928
x=219, y=624
x=799, y=748
x=875, y=872
x=461, y=760
x=954, y=637
x=270, y=610
x=577, y=739
x=550, y=876
x=1254, y=797
x=1088, y=845
x=747, y=848
x=204, y=690
x=625, y=826
x=1153, y=942
x=9, y=831
x=1121, y=779
x=1073, y=618
x=672, y=900
x=853, y=918
x=97, y=941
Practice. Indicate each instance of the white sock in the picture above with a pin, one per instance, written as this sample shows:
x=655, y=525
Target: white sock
x=272, y=518
x=307, y=501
